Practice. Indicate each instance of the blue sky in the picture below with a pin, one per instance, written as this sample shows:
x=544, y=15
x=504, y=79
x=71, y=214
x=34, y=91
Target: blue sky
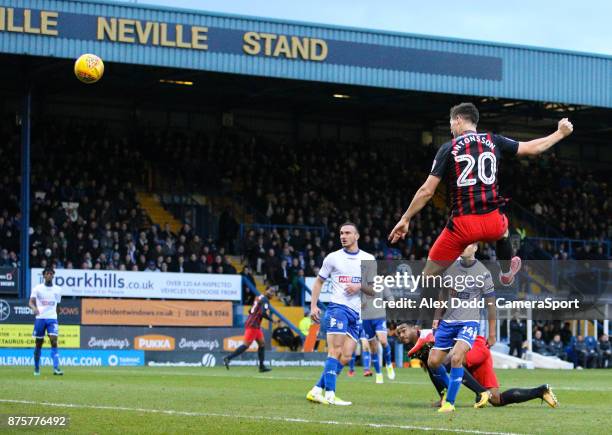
x=564, y=24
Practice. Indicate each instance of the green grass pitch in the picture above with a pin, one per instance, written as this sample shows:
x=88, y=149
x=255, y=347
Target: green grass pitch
x=148, y=400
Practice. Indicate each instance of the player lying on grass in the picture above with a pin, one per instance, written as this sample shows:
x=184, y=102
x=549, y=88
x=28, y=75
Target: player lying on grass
x=479, y=377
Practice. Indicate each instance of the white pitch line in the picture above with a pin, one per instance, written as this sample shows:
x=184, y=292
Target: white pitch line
x=231, y=374
x=581, y=389
x=256, y=417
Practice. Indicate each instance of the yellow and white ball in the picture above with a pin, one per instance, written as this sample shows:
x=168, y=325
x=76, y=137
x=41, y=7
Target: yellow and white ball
x=89, y=68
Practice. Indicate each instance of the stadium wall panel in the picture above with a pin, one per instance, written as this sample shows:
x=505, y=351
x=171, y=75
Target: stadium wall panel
x=355, y=56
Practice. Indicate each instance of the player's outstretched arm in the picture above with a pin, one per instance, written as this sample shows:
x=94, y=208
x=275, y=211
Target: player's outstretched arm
x=538, y=146
x=420, y=199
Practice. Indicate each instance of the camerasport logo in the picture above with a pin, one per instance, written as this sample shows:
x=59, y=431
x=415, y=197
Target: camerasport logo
x=209, y=360
x=154, y=342
x=5, y=310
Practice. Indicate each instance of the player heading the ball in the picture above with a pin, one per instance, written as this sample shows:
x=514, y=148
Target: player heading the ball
x=470, y=164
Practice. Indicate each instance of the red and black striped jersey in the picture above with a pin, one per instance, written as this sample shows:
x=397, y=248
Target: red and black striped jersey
x=470, y=164
x=258, y=311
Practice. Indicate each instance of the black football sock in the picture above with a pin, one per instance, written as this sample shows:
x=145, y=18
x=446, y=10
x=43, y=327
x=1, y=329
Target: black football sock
x=440, y=387
x=260, y=353
x=469, y=381
x=503, y=250
x=237, y=352
x=518, y=395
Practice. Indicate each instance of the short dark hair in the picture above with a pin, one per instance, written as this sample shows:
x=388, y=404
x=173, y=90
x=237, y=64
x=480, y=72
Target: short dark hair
x=349, y=223
x=467, y=111
x=409, y=323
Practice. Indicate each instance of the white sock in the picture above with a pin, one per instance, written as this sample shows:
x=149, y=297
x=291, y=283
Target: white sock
x=317, y=390
x=330, y=395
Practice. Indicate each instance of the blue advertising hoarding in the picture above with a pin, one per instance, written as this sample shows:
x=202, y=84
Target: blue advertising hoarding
x=74, y=358
x=197, y=40
x=202, y=39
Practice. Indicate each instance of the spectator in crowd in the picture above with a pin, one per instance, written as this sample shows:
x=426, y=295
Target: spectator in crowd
x=151, y=267
x=247, y=295
x=298, y=281
x=556, y=348
x=538, y=345
x=285, y=337
x=4, y=258
x=272, y=266
x=604, y=352
x=305, y=323
x=282, y=278
x=228, y=230
x=584, y=355
x=227, y=267
x=548, y=332
x=566, y=334
x=517, y=336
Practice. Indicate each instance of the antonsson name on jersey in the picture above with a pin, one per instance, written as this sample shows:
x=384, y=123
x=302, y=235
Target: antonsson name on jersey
x=471, y=138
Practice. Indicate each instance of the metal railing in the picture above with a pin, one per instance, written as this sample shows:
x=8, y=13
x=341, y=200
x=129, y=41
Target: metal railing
x=304, y=289
x=188, y=210
x=538, y=224
x=273, y=310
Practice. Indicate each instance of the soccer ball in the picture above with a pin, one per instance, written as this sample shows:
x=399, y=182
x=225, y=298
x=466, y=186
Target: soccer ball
x=89, y=68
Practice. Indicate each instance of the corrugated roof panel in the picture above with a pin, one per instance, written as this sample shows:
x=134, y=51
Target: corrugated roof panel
x=437, y=65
